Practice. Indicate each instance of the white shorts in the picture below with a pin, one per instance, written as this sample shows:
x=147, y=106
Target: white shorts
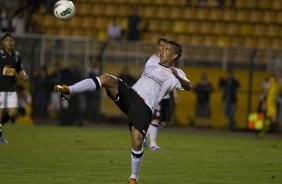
x=8, y=100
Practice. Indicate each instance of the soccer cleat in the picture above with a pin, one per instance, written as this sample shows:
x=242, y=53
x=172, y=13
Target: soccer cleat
x=62, y=90
x=132, y=181
x=145, y=142
x=2, y=140
x=155, y=148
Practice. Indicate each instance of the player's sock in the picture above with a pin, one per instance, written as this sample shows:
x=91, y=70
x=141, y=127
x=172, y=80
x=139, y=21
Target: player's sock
x=5, y=118
x=136, y=159
x=86, y=85
x=153, y=135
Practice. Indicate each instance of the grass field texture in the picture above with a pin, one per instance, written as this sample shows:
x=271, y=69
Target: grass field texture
x=101, y=155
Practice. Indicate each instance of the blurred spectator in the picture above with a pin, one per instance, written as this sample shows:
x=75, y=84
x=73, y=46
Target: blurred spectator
x=114, y=31
x=54, y=102
x=201, y=2
x=133, y=22
x=70, y=110
x=49, y=6
x=41, y=91
x=19, y=23
x=24, y=107
x=10, y=4
x=127, y=77
x=34, y=5
x=203, y=111
x=230, y=86
x=5, y=21
x=92, y=97
x=218, y=3
x=34, y=27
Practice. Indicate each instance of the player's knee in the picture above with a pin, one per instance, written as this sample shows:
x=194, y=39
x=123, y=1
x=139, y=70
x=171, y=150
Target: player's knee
x=13, y=113
x=107, y=79
x=137, y=144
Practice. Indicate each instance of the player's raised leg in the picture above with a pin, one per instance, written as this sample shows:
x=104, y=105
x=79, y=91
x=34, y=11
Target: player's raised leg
x=110, y=82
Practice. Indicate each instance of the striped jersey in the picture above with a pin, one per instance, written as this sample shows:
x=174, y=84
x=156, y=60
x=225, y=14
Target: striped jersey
x=9, y=66
x=156, y=82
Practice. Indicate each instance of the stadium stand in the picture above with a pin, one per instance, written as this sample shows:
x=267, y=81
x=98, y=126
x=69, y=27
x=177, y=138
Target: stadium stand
x=252, y=21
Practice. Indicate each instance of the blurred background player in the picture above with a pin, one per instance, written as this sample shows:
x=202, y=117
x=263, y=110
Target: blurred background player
x=114, y=31
x=163, y=111
x=10, y=65
x=230, y=86
x=162, y=117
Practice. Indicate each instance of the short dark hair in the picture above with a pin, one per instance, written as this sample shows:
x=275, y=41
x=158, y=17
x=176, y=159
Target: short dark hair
x=177, y=48
x=162, y=40
x=7, y=35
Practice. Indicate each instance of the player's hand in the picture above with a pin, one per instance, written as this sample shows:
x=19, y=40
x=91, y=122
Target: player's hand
x=23, y=75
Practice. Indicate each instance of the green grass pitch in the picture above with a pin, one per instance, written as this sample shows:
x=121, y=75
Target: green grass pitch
x=101, y=155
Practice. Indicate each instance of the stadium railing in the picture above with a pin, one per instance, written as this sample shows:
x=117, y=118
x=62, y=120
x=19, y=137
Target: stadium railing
x=113, y=56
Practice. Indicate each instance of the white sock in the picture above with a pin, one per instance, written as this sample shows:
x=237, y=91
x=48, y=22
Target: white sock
x=153, y=135
x=136, y=159
x=85, y=85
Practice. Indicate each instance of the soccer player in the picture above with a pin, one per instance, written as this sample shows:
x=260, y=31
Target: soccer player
x=10, y=65
x=162, y=112
x=140, y=101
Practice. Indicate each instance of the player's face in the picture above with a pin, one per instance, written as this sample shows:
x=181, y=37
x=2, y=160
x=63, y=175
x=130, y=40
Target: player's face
x=167, y=54
x=161, y=45
x=8, y=43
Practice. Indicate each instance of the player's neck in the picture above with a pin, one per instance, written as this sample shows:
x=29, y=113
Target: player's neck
x=9, y=51
x=167, y=65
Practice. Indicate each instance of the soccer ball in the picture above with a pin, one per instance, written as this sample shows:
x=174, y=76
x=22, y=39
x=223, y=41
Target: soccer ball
x=64, y=9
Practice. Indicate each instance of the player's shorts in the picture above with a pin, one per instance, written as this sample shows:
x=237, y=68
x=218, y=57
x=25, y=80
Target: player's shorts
x=138, y=112
x=163, y=111
x=166, y=110
x=8, y=100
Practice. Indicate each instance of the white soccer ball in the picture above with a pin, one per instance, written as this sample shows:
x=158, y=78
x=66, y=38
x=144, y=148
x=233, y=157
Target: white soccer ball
x=64, y=9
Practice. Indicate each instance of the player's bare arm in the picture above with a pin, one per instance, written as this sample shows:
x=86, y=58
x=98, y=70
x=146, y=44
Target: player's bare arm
x=175, y=95
x=23, y=75
x=186, y=84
